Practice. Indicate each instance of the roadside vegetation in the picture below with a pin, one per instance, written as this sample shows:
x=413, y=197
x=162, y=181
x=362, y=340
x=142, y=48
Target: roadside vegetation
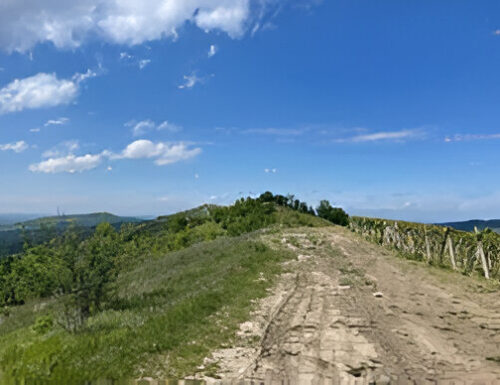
x=156, y=296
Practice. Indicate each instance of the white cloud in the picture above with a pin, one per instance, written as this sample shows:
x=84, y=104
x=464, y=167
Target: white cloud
x=143, y=63
x=190, y=81
x=18, y=147
x=384, y=136
x=270, y=170
x=56, y=122
x=276, y=131
x=139, y=128
x=469, y=137
x=69, y=163
x=62, y=159
x=212, y=51
x=496, y=32
x=67, y=24
x=40, y=91
x=62, y=149
x=163, y=153
x=36, y=129
x=125, y=56
x=143, y=126
x=167, y=126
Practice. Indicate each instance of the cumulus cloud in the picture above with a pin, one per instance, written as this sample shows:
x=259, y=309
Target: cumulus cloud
x=18, y=147
x=67, y=24
x=64, y=160
x=164, y=153
x=144, y=126
x=70, y=163
x=40, y=91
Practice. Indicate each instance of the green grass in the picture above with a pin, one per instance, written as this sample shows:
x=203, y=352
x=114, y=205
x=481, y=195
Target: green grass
x=169, y=314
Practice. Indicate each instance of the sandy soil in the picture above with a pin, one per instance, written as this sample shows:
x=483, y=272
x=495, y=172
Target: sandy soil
x=349, y=312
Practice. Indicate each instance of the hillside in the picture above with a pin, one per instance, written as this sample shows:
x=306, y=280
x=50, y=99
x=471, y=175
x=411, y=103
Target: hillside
x=257, y=291
x=493, y=224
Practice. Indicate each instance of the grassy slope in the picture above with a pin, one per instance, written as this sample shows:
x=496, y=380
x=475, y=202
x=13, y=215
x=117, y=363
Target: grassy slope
x=171, y=312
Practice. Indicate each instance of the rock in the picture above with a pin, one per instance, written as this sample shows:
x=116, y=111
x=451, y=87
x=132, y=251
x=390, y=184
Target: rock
x=378, y=294
x=383, y=380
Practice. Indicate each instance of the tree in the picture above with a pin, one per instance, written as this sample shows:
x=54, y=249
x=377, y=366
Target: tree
x=333, y=214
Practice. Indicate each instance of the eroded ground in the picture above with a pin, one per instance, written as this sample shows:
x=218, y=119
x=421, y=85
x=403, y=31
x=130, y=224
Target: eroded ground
x=349, y=312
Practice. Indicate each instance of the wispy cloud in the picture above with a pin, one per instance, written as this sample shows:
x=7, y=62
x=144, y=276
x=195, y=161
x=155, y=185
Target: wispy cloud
x=270, y=170
x=17, y=147
x=143, y=63
x=395, y=136
x=147, y=125
x=56, y=122
x=276, y=131
x=65, y=148
x=190, y=81
x=470, y=137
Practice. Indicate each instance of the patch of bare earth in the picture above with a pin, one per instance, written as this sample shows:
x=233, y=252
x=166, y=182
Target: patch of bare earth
x=349, y=312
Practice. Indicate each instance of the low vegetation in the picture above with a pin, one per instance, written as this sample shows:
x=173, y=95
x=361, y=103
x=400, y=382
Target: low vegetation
x=155, y=296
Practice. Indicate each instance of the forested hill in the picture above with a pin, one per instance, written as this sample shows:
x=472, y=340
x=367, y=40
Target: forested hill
x=39, y=230
x=493, y=224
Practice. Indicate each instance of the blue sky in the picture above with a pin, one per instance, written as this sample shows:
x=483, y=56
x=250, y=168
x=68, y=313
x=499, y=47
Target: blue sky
x=386, y=108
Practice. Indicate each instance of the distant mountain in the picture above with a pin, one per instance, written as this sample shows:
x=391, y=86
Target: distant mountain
x=493, y=224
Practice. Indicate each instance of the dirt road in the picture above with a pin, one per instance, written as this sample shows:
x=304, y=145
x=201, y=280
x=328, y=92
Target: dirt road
x=349, y=312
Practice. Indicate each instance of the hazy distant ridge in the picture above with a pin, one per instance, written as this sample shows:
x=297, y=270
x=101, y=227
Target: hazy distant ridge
x=493, y=224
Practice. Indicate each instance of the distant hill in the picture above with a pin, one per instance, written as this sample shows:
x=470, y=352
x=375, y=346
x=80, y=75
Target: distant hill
x=85, y=220
x=12, y=236
x=11, y=219
x=493, y=224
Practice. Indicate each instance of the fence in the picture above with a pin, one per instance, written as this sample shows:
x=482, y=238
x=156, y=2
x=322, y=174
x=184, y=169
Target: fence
x=463, y=251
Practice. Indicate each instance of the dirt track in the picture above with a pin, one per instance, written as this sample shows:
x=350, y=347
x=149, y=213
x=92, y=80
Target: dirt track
x=349, y=312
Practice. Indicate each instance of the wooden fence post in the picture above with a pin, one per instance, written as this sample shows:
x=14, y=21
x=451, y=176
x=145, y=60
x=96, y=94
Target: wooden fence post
x=452, y=253
x=427, y=246
x=480, y=252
